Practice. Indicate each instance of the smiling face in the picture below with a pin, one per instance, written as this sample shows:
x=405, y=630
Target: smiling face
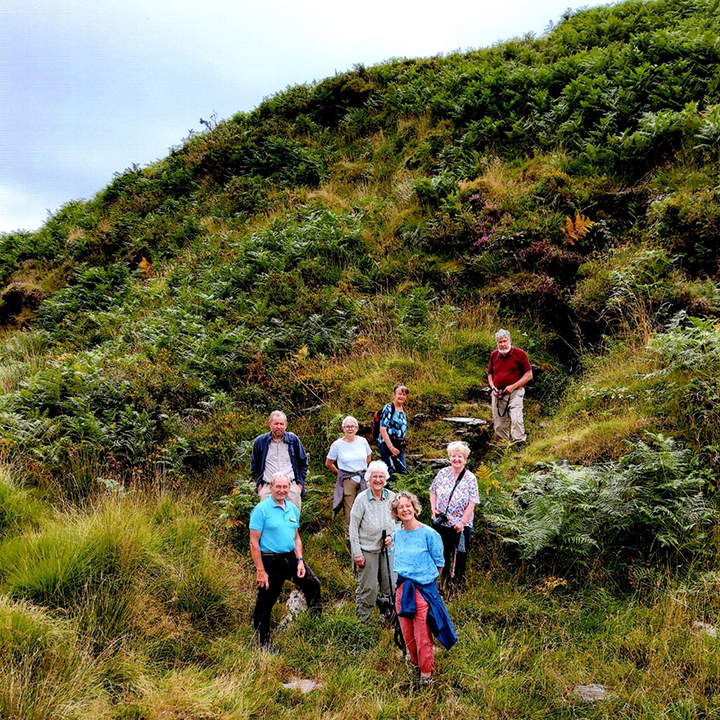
x=400, y=395
x=279, y=488
x=405, y=510
x=377, y=481
x=457, y=461
x=350, y=428
x=278, y=425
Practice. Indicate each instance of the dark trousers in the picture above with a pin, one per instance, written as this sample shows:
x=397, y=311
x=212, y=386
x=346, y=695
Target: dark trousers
x=281, y=567
x=455, y=561
x=396, y=464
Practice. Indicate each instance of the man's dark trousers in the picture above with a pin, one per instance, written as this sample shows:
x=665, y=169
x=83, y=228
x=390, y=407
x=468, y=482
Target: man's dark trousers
x=281, y=567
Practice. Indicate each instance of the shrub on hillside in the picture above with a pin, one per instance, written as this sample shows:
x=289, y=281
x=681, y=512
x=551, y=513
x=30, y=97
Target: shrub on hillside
x=688, y=225
x=686, y=386
x=648, y=505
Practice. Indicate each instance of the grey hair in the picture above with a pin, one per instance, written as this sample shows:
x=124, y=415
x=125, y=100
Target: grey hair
x=278, y=475
x=501, y=334
x=377, y=466
x=351, y=419
x=275, y=413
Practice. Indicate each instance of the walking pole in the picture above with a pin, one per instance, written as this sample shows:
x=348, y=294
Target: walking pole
x=398, y=636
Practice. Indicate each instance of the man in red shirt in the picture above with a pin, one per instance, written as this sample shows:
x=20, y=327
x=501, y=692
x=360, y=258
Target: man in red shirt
x=508, y=372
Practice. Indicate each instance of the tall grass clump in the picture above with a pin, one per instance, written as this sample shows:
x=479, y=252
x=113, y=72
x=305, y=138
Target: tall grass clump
x=20, y=510
x=129, y=569
x=46, y=670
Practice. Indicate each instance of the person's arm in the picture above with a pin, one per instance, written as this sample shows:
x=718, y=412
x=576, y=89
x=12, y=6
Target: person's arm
x=386, y=439
x=330, y=465
x=356, y=517
x=465, y=519
x=302, y=463
x=490, y=374
x=261, y=577
x=526, y=378
x=299, y=555
x=256, y=465
x=433, y=504
x=435, y=548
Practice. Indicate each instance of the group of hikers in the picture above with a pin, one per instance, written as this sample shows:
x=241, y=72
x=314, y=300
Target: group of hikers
x=398, y=560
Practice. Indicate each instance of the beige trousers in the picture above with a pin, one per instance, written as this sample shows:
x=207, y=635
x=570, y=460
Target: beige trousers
x=510, y=426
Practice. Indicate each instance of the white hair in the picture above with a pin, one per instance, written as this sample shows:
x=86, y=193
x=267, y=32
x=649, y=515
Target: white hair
x=377, y=466
x=276, y=413
x=501, y=334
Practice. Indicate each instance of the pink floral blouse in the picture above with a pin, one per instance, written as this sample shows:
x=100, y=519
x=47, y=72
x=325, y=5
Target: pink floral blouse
x=466, y=492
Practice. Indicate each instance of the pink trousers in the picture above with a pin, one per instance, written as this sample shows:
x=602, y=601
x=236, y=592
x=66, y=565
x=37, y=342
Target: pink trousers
x=416, y=633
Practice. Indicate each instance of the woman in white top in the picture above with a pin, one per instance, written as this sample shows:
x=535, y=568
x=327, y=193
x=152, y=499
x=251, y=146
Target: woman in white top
x=348, y=458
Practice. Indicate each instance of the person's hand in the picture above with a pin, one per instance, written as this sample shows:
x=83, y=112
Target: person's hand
x=360, y=559
x=459, y=527
x=388, y=541
x=394, y=451
x=262, y=579
x=301, y=569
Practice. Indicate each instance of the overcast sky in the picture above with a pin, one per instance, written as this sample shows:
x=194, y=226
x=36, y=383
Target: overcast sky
x=89, y=87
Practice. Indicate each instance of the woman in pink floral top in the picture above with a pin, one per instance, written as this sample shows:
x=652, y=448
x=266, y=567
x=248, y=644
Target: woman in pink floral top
x=453, y=496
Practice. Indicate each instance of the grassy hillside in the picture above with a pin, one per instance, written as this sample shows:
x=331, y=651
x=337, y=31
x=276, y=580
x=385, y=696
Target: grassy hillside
x=377, y=227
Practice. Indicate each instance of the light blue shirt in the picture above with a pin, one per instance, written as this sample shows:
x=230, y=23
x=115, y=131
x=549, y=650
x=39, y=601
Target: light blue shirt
x=418, y=554
x=276, y=524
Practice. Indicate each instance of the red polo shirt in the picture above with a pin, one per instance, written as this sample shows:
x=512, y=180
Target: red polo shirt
x=507, y=369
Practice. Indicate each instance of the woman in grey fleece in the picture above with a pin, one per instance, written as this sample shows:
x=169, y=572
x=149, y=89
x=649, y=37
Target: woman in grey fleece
x=370, y=516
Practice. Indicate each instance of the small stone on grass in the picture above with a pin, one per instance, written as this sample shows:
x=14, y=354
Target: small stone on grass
x=590, y=693
x=304, y=686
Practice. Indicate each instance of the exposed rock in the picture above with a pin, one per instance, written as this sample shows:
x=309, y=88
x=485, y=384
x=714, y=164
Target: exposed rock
x=434, y=463
x=18, y=301
x=304, y=686
x=295, y=604
x=590, y=693
x=468, y=421
x=705, y=628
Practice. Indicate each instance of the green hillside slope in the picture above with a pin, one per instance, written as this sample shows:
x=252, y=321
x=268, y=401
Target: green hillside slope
x=377, y=227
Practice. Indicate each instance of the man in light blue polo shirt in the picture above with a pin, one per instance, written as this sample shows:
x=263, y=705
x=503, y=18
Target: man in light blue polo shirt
x=277, y=552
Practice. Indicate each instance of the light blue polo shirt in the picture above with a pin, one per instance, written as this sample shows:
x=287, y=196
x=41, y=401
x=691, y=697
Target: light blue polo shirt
x=276, y=525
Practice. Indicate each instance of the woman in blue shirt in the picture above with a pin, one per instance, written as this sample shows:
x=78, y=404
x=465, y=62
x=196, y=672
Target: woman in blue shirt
x=418, y=562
